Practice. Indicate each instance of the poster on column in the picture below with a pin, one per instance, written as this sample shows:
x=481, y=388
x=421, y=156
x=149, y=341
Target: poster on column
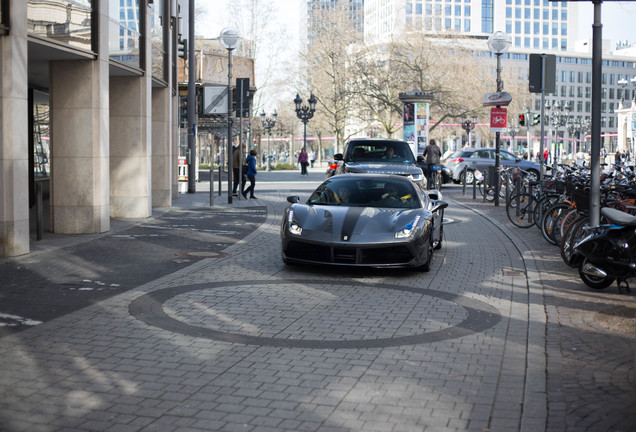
x=408, y=124
x=415, y=126
x=422, y=127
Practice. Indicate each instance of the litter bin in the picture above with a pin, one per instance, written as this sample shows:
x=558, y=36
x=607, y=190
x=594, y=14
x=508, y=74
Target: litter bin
x=491, y=176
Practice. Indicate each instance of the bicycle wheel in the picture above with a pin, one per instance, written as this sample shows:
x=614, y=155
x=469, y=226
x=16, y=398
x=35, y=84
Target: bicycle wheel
x=548, y=223
x=572, y=235
x=544, y=203
x=520, y=210
x=565, y=217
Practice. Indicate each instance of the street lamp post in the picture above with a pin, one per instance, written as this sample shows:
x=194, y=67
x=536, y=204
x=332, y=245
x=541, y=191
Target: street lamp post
x=558, y=115
x=304, y=113
x=498, y=43
x=230, y=40
x=468, y=125
x=268, y=124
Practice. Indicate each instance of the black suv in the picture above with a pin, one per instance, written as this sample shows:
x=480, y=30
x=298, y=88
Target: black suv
x=380, y=156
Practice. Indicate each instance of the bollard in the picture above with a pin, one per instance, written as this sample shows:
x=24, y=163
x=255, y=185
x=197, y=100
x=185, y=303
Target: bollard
x=506, y=178
x=474, y=186
x=211, y=186
x=464, y=181
x=220, y=171
x=38, y=211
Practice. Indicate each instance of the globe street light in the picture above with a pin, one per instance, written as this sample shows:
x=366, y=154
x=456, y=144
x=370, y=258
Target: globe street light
x=268, y=124
x=230, y=40
x=498, y=43
x=304, y=113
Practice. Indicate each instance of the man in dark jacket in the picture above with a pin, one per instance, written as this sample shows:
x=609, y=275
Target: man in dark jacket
x=432, y=153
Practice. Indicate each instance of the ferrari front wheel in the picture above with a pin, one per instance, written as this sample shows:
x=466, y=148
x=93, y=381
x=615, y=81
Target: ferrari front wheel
x=426, y=267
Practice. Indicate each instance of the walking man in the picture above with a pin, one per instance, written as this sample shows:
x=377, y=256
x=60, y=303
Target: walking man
x=432, y=153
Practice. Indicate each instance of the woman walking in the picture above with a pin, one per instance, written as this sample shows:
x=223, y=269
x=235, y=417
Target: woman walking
x=251, y=174
x=302, y=160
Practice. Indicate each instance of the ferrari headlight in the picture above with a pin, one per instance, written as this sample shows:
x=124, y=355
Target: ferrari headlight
x=293, y=226
x=408, y=229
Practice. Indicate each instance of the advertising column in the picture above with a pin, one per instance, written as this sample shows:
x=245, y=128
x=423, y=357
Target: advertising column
x=415, y=119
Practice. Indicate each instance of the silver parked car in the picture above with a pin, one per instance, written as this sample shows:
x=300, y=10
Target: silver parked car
x=481, y=159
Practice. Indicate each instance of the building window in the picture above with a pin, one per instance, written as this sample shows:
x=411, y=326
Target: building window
x=526, y=27
x=467, y=25
x=409, y=10
x=508, y=12
x=418, y=8
x=63, y=22
x=487, y=16
x=508, y=27
x=536, y=43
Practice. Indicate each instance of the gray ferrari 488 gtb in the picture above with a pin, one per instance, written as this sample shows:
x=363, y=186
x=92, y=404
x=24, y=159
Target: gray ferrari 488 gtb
x=372, y=220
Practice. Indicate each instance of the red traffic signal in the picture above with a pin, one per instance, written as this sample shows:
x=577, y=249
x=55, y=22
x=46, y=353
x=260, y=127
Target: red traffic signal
x=522, y=119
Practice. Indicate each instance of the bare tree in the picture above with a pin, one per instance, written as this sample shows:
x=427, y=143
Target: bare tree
x=330, y=76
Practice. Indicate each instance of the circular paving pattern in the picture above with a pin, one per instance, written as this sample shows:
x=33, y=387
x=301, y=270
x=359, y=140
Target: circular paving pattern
x=312, y=314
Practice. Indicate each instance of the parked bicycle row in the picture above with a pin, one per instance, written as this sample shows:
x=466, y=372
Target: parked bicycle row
x=559, y=209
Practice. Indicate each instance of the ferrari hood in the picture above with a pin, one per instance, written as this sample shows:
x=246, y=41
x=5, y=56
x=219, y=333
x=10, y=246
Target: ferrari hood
x=353, y=224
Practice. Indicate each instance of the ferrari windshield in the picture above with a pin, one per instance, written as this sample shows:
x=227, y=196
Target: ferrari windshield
x=366, y=192
x=379, y=151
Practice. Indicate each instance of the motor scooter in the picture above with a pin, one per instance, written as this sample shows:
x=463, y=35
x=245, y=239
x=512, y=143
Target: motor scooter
x=608, y=252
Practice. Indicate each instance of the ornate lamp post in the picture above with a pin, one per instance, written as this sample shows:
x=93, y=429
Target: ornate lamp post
x=468, y=125
x=268, y=124
x=230, y=40
x=498, y=43
x=558, y=115
x=304, y=113
x=513, y=130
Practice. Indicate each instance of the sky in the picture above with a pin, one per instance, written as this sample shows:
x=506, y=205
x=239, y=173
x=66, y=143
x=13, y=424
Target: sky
x=617, y=17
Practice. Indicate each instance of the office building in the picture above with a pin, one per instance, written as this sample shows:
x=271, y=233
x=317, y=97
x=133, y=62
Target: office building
x=88, y=114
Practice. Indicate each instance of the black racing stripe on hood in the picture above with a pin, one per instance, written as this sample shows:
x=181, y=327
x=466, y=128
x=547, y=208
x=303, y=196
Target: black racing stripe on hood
x=350, y=221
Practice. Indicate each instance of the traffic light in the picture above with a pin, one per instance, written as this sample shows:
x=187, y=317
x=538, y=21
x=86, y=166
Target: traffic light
x=183, y=112
x=536, y=119
x=182, y=48
x=522, y=119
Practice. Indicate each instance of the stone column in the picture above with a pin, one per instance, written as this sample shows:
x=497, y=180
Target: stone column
x=80, y=189
x=130, y=147
x=162, y=148
x=14, y=130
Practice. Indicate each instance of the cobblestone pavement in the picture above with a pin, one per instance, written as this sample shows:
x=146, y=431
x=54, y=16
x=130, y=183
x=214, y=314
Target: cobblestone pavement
x=591, y=383
x=498, y=336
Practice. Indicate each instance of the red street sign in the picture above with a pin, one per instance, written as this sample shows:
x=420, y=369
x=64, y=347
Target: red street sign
x=498, y=119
